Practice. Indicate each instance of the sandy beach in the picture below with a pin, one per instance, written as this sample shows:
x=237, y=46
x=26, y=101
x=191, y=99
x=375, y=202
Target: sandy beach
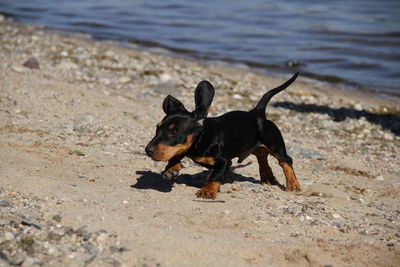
x=77, y=189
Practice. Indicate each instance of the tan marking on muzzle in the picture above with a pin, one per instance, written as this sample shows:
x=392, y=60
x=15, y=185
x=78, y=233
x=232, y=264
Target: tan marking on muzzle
x=165, y=152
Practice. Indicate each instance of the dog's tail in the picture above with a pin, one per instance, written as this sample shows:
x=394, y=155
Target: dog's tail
x=259, y=110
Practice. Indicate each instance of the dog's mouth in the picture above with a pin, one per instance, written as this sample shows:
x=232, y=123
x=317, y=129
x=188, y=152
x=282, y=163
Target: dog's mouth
x=154, y=153
x=159, y=158
x=163, y=152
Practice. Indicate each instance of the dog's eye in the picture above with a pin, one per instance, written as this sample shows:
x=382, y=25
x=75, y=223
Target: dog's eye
x=173, y=131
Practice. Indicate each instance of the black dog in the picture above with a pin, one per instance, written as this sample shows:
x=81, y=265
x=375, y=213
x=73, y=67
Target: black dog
x=214, y=142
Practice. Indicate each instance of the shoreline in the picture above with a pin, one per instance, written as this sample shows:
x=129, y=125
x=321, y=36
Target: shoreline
x=350, y=91
x=344, y=87
x=76, y=186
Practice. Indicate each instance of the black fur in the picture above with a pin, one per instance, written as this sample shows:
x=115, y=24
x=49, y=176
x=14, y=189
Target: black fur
x=216, y=141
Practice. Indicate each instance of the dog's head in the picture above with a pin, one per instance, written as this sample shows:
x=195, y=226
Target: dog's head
x=178, y=129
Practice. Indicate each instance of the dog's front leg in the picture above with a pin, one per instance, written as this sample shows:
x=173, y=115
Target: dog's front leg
x=173, y=167
x=215, y=179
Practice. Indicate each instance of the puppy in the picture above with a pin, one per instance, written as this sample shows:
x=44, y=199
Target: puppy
x=214, y=142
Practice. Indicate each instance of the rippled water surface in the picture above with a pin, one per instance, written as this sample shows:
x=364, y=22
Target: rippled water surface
x=354, y=41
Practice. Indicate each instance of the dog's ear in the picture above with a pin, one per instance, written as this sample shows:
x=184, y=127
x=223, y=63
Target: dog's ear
x=173, y=105
x=203, y=97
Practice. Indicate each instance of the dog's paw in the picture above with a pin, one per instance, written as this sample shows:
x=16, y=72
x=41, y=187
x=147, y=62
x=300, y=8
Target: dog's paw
x=295, y=186
x=169, y=174
x=209, y=191
x=206, y=194
x=269, y=181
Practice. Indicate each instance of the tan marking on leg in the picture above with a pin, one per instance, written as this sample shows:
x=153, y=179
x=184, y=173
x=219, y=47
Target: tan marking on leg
x=291, y=181
x=266, y=175
x=209, y=191
x=173, y=167
x=176, y=167
x=205, y=160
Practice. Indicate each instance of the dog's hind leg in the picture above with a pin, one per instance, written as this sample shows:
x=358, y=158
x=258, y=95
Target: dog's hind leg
x=266, y=175
x=291, y=181
x=272, y=138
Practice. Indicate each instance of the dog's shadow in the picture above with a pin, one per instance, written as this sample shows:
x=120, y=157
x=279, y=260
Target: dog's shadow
x=154, y=181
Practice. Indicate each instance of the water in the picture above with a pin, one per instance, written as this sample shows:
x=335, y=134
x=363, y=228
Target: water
x=353, y=42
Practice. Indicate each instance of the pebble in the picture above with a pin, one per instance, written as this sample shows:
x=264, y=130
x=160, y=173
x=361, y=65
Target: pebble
x=102, y=238
x=308, y=218
x=31, y=223
x=124, y=79
x=68, y=65
x=32, y=63
x=19, y=69
x=388, y=137
x=17, y=259
x=358, y=107
x=8, y=236
x=348, y=125
x=52, y=251
x=57, y=218
x=4, y=203
x=64, y=54
x=110, y=53
x=165, y=77
x=237, y=96
x=2, y=18
x=336, y=216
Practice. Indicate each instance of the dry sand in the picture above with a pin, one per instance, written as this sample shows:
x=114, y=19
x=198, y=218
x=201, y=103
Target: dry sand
x=72, y=137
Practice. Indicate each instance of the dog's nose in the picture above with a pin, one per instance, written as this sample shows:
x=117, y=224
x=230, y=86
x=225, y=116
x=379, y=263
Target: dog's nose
x=149, y=150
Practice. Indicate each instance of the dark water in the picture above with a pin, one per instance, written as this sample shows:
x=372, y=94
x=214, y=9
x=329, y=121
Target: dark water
x=354, y=42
